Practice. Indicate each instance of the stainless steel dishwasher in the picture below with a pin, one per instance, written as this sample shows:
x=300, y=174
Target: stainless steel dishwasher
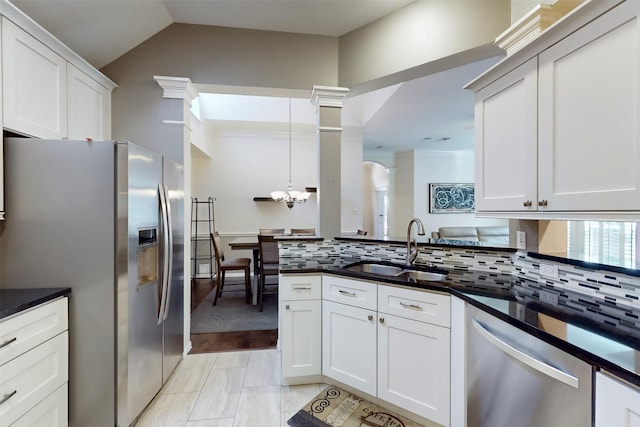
x=517, y=380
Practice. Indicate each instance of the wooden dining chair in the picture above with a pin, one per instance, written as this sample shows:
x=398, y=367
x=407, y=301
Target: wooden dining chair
x=272, y=231
x=230, y=264
x=269, y=264
x=303, y=231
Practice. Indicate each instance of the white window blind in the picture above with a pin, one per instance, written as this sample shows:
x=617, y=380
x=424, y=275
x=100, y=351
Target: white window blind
x=604, y=242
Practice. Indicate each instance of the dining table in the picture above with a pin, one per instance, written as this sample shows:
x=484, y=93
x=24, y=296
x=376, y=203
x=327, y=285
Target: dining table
x=251, y=243
x=248, y=243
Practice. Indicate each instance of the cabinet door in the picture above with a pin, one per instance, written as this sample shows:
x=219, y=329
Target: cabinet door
x=34, y=85
x=89, y=107
x=617, y=404
x=414, y=366
x=301, y=334
x=29, y=378
x=51, y=412
x=349, y=345
x=506, y=142
x=589, y=138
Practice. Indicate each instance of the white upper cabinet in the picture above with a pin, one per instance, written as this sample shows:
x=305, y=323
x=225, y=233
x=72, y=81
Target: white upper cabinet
x=589, y=101
x=506, y=141
x=89, y=107
x=557, y=125
x=34, y=85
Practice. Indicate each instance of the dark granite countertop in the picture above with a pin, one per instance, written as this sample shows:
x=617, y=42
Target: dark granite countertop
x=13, y=301
x=590, y=330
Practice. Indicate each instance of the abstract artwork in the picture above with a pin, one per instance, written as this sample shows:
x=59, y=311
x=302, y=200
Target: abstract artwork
x=451, y=198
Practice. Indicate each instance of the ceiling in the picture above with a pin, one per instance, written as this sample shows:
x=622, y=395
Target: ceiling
x=431, y=112
x=102, y=30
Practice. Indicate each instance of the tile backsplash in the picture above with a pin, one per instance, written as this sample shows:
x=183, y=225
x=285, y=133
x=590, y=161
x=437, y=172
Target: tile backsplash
x=616, y=289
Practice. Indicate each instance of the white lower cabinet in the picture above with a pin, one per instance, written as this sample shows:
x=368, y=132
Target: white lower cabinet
x=413, y=366
x=414, y=355
x=51, y=412
x=349, y=345
x=34, y=366
x=617, y=404
x=390, y=342
x=300, y=329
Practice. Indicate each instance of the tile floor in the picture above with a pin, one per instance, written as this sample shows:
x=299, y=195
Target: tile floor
x=234, y=389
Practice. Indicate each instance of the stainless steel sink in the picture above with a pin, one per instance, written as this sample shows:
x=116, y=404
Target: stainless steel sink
x=418, y=275
x=381, y=269
x=395, y=271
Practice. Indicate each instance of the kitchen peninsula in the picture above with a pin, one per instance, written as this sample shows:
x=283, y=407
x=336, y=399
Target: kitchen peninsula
x=588, y=311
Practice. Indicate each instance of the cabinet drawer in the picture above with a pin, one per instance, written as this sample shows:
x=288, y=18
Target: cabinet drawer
x=51, y=412
x=23, y=331
x=417, y=305
x=30, y=378
x=299, y=287
x=352, y=292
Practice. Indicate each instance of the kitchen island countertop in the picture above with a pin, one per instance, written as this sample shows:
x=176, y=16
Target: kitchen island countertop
x=587, y=331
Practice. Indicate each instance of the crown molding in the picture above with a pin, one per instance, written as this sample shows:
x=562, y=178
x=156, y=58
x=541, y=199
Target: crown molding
x=328, y=96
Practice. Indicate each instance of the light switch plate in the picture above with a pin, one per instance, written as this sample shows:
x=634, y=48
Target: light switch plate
x=521, y=240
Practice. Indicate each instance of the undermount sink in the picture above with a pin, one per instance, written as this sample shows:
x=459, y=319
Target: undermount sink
x=381, y=269
x=399, y=272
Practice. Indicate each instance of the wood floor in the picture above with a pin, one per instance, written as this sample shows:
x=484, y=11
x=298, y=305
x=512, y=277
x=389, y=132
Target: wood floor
x=226, y=341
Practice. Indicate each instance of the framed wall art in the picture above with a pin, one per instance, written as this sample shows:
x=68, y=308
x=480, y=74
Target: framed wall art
x=451, y=198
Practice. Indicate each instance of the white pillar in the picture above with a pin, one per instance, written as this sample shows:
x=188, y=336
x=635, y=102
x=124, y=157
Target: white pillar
x=182, y=88
x=328, y=102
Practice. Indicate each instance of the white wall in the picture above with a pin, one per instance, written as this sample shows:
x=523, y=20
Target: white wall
x=444, y=167
x=247, y=164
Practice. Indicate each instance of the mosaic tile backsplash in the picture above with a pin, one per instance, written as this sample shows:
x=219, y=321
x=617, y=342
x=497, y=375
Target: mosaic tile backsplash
x=604, y=296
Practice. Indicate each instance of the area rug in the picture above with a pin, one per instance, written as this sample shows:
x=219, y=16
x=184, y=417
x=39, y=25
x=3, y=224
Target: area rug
x=231, y=314
x=335, y=407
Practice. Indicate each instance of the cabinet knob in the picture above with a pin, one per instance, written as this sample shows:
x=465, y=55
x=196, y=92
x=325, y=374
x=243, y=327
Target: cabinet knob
x=543, y=202
x=286, y=307
x=528, y=204
x=382, y=320
x=370, y=317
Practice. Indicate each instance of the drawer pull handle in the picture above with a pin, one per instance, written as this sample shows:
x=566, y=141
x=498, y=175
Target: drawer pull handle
x=543, y=202
x=411, y=306
x=302, y=288
x=8, y=396
x=7, y=342
x=347, y=293
x=287, y=307
x=527, y=204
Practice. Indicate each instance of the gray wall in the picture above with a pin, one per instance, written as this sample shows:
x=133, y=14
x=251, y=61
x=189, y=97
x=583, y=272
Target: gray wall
x=209, y=55
x=423, y=32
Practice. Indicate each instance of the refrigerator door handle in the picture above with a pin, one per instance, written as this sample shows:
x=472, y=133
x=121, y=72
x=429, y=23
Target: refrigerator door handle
x=165, y=253
x=169, y=258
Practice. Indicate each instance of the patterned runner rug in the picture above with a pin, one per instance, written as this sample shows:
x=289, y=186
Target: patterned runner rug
x=337, y=408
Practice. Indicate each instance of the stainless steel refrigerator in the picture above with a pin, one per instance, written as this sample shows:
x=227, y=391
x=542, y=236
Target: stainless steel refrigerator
x=106, y=219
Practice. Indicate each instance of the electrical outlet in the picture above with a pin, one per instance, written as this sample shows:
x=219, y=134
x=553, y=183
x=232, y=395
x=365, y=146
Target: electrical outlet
x=521, y=240
x=203, y=268
x=549, y=270
x=549, y=297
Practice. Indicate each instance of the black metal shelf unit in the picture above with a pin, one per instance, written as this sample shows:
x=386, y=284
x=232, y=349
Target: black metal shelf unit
x=202, y=225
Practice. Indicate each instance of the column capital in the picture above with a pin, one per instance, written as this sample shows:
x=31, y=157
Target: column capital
x=177, y=88
x=328, y=96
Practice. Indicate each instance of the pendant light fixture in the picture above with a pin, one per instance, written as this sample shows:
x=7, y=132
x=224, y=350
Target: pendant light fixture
x=291, y=196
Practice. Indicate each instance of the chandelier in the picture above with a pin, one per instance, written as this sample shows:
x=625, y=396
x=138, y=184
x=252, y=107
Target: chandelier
x=291, y=196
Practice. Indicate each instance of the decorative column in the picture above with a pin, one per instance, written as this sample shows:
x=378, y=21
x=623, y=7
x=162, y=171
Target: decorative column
x=182, y=88
x=328, y=102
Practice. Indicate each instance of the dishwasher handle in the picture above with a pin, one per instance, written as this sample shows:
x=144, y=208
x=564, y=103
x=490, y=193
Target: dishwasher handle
x=526, y=359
